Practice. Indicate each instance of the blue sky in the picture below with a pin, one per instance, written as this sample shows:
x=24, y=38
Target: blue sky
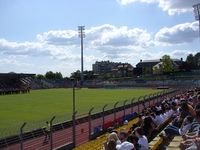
x=41, y=35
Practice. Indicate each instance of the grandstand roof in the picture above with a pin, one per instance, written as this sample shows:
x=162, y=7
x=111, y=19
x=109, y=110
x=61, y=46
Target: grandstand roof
x=12, y=75
x=151, y=63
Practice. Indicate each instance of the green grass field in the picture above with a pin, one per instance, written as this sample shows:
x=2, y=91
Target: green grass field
x=40, y=105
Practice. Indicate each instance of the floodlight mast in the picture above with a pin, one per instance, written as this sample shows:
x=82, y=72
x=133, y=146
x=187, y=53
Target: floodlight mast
x=81, y=34
x=197, y=14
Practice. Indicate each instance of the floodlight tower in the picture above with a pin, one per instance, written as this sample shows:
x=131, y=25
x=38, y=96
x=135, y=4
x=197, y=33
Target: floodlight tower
x=197, y=14
x=81, y=34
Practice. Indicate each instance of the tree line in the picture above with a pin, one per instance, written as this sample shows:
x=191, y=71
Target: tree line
x=192, y=62
x=50, y=75
x=58, y=75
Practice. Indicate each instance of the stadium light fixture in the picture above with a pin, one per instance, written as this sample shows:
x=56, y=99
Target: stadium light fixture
x=197, y=14
x=81, y=34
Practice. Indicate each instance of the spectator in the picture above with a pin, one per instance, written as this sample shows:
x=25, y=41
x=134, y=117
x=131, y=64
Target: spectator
x=174, y=107
x=140, y=120
x=111, y=145
x=158, y=118
x=148, y=126
x=134, y=140
x=191, y=139
x=113, y=136
x=184, y=111
x=142, y=139
x=185, y=127
x=125, y=145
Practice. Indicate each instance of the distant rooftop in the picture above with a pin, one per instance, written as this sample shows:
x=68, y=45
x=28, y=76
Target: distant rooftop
x=153, y=62
x=156, y=60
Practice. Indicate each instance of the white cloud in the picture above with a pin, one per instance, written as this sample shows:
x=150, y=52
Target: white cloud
x=59, y=37
x=8, y=47
x=8, y=61
x=32, y=49
x=112, y=41
x=105, y=35
x=181, y=53
x=177, y=6
x=105, y=40
x=109, y=35
x=127, y=2
x=178, y=34
x=171, y=6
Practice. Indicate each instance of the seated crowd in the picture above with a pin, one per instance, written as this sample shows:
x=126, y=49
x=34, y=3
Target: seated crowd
x=182, y=110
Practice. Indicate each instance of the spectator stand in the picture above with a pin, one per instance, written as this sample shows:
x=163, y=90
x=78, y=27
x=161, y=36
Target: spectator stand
x=174, y=142
x=14, y=83
x=98, y=142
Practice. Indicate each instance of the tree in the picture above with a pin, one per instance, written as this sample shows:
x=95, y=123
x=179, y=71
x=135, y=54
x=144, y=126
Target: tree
x=50, y=75
x=76, y=75
x=190, y=61
x=167, y=65
x=40, y=76
x=156, y=70
x=197, y=60
x=185, y=67
x=58, y=75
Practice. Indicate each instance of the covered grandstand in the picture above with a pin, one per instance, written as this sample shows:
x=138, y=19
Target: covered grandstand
x=15, y=83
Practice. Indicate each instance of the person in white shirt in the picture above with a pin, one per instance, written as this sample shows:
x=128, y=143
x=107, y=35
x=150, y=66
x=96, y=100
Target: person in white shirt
x=158, y=118
x=143, y=142
x=125, y=145
x=185, y=127
x=163, y=115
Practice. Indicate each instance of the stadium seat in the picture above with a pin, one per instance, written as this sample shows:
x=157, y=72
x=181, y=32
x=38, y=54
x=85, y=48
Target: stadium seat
x=157, y=141
x=174, y=144
x=97, y=144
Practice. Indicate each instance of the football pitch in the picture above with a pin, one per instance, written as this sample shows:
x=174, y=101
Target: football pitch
x=40, y=105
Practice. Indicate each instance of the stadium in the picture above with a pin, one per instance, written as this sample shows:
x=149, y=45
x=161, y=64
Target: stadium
x=128, y=94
